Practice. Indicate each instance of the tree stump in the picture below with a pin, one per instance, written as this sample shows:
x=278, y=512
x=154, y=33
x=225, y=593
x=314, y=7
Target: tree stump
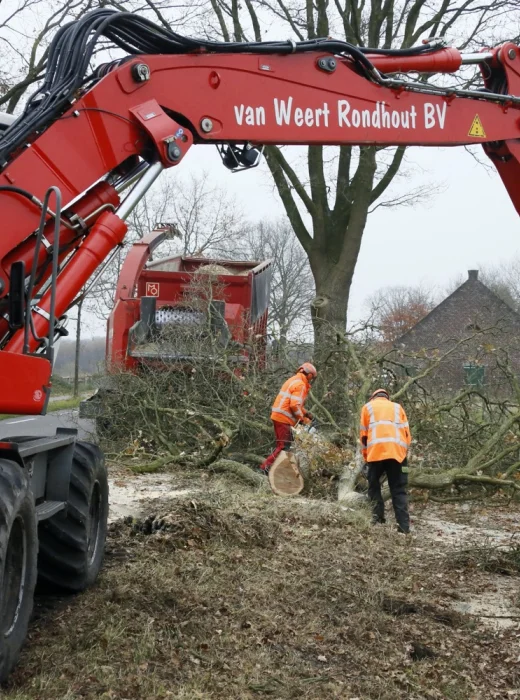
x=285, y=478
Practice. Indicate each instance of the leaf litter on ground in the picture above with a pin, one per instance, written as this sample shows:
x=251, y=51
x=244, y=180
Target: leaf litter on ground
x=234, y=594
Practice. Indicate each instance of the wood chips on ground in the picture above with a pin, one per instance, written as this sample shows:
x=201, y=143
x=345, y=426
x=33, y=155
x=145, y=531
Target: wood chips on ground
x=242, y=595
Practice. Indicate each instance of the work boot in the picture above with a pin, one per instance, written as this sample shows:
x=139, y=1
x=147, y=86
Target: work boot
x=403, y=530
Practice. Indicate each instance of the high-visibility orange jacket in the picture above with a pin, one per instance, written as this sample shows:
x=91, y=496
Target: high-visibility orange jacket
x=384, y=431
x=288, y=405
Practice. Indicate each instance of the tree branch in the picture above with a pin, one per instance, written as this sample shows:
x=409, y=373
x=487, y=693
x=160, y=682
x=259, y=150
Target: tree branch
x=317, y=182
x=389, y=175
x=254, y=20
x=223, y=28
x=277, y=156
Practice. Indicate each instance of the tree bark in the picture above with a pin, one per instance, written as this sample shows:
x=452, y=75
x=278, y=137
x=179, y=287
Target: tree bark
x=335, y=249
x=329, y=308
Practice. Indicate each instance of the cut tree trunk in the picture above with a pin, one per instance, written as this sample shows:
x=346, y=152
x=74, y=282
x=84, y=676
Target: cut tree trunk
x=285, y=478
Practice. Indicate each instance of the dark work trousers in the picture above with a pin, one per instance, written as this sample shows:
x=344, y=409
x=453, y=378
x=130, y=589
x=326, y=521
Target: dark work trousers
x=284, y=438
x=397, y=482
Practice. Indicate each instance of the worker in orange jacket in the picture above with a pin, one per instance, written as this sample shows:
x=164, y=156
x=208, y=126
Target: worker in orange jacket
x=288, y=410
x=385, y=438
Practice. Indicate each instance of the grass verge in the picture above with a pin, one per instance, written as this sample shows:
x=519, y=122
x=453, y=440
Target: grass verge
x=61, y=405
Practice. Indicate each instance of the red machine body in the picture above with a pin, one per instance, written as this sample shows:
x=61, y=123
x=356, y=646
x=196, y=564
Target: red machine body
x=149, y=110
x=165, y=285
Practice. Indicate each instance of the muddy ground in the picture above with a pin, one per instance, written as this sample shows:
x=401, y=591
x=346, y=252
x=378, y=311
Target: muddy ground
x=212, y=590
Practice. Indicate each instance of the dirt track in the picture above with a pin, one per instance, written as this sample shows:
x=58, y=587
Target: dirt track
x=131, y=494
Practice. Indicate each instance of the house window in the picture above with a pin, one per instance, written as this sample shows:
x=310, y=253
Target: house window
x=474, y=375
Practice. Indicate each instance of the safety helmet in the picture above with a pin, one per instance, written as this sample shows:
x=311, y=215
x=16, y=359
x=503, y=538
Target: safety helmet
x=308, y=369
x=380, y=392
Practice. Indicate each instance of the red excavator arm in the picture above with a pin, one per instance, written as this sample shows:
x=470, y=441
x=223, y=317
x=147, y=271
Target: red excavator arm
x=91, y=137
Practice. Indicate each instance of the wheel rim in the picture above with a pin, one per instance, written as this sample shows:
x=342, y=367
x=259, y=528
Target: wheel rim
x=94, y=523
x=14, y=576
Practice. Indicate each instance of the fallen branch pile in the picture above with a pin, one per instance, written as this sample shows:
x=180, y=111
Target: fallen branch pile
x=212, y=416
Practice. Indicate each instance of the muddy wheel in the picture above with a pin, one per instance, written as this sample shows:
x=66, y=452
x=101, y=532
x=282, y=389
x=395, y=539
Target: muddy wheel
x=72, y=545
x=18, y=556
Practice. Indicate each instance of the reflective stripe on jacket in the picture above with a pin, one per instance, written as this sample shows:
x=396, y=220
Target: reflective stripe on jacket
x=384, y=431
x=288, y=405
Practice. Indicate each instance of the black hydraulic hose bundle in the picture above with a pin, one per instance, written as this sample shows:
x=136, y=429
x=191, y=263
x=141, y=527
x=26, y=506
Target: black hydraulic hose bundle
x=73, y=46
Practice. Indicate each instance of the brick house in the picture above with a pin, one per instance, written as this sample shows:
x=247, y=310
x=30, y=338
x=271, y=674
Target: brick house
x=488, y=327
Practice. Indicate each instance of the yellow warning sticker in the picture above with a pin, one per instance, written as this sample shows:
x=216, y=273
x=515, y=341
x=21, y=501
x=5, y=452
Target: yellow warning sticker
x=477, y=129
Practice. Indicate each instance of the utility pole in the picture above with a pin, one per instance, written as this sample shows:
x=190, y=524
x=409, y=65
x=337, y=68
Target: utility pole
x=78, y=344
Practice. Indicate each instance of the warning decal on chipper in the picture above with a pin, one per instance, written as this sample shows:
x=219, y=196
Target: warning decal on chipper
x=477, y=128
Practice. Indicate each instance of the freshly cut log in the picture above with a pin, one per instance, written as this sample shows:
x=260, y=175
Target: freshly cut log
x=285, y=478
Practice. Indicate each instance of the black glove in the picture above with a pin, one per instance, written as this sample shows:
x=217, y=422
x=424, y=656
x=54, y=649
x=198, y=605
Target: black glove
x=309, y=415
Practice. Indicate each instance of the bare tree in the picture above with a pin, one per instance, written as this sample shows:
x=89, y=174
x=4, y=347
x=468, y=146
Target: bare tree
x=26, y=29
x=292, y=286
x=394, y=310
x=207, y=218
x=28, y=26
x=504, y=280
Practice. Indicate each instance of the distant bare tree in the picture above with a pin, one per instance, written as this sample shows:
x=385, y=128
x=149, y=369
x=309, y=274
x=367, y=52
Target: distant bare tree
x=504, y=280
x=292, y=286
x=394, y=310
x=26, y=29
x=207, y=218
x=91, y=359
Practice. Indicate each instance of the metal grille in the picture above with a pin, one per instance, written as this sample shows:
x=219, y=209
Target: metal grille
x=178, y=317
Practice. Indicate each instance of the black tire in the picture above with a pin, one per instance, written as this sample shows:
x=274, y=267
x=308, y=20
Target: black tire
x=18, y=562
x=72, y=546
